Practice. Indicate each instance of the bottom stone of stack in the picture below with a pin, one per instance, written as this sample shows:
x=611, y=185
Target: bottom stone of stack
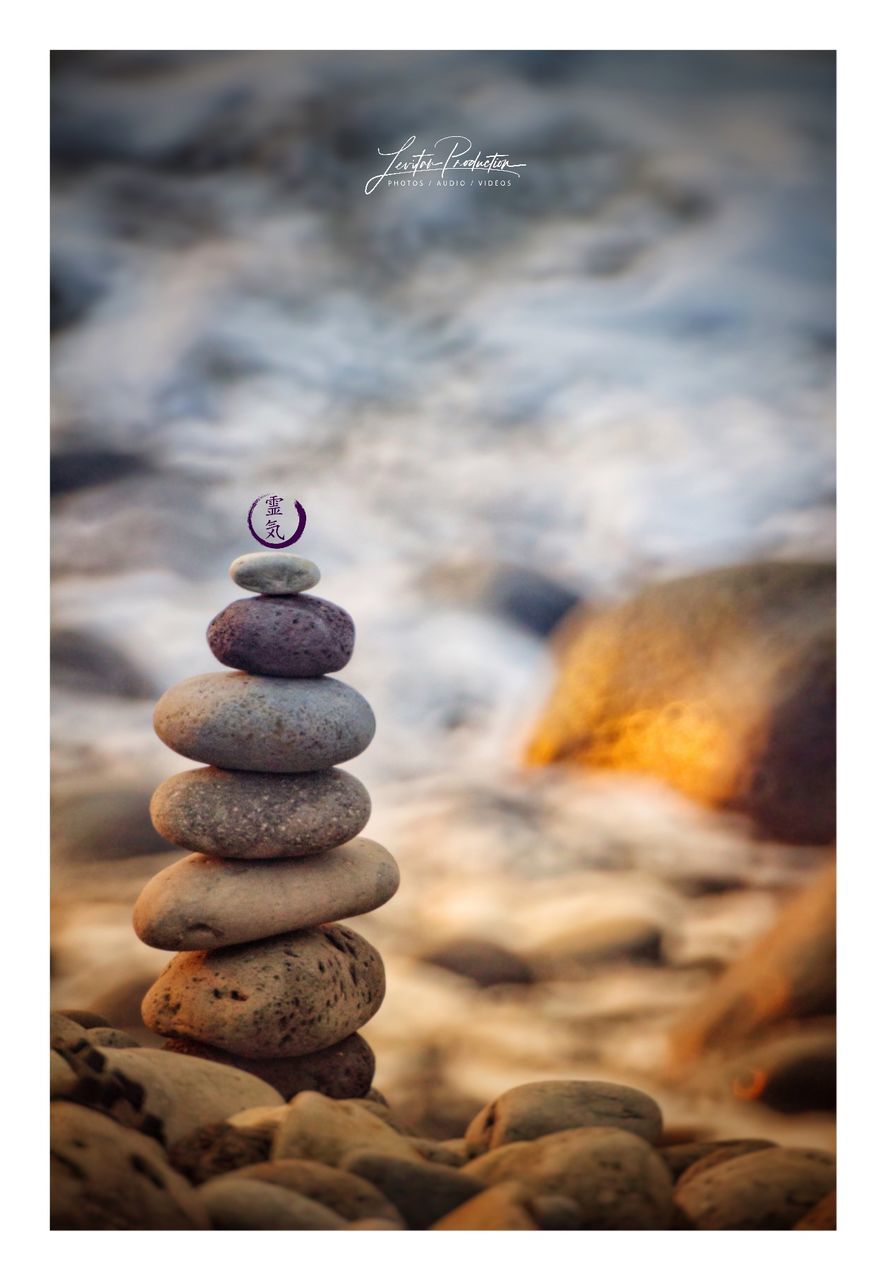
x=344, y=1070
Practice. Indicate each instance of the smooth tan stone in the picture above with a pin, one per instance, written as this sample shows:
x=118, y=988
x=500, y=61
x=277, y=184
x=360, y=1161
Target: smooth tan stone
x=343, y=1192
x=262, y=723
x=202, y=903
x=617, y=1179
x=323, y=1129
x=105, y=1177
x=500, y=1208
x=278, y=998
x=242, y=1204
x=768, y=1190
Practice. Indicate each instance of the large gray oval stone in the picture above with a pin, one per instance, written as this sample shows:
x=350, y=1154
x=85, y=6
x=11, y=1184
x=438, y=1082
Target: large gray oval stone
x=260, y=815
x=239, y=721
x=277, y=998
x=202, y=903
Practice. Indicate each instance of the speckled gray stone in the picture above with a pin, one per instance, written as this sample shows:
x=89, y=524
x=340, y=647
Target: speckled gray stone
x=238, y=721
x=260, y=815
x=617, y=1180
x=548, y=1106
x=202, y=903
x=274, y=573
x=767, y=1190
x=281, y=997
x=291, y=636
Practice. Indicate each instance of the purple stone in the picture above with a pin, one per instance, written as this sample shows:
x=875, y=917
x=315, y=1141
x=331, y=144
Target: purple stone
x=297, y=636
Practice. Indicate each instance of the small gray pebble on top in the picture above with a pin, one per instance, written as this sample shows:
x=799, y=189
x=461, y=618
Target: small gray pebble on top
x=274, y=573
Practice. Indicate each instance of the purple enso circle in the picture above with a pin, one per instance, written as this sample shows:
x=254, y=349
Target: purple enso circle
x=276, y=546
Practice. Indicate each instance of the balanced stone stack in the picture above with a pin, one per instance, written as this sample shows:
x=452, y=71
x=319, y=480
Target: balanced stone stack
x=263, y=980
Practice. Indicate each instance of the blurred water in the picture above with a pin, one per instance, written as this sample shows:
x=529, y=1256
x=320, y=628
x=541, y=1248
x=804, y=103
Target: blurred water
x=619, y=368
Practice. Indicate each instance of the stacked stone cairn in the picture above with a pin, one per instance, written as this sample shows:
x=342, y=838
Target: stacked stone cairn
x=263, y=981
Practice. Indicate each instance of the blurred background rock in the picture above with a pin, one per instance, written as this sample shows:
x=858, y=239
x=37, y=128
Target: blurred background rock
x=494, y=404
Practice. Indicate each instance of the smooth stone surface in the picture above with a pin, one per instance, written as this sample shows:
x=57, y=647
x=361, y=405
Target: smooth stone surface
x=682, y=1155
x=238, y=721
x=105, y=1177
x=767, y=1190
x=321, y=1129
x=291, y=636
x=260, y=815
x=725, y=1151
x=241, y=1204
x=344, y=1070
x=531, y=1110
x=168, y=1095
x=499, y=1208
x=213, y=1149
x=111, y=1038
x=62, y=1077
x=343, y=1192
x=617, y=1179
x=83, y=1017
x=423, y=1193
x=203, y=903
x=281, y=997
x=483, y=962
x=823, y=1217
x=274, y=573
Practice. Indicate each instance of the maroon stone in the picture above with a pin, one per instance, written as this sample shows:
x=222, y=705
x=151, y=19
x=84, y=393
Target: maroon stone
x=296, y=636
x=344, y=1070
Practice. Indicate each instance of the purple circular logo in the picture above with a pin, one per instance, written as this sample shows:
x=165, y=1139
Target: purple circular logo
x=274, y=536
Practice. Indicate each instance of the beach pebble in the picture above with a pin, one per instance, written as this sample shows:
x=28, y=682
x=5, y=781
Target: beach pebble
x=276, y=998
x=422, y=1193
x=274, y=573
x=289, y=636
x=483, y=962
x=109, y=1178
x=202, y=903
x=62, y=1077
x=238, y=721
x=83, y=1017
x=617, y=1179
x=555, y=1213
x=344, y=1070
x=722, y=1152
x=111, y=1038
x=531, y=1110
x=499, y=1208
x=343, y=1192
x=823, y=1217
x=213, y=1149
x=768, y=1190
x=173, y=1094
x=242, y=1204
x=679, y=1156
x=260, y=815
x=319, y=1128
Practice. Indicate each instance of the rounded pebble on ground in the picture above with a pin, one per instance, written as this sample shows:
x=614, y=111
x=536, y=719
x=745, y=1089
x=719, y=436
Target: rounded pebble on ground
x=768, y=1190
x=548, y=1106
x=241, y=1204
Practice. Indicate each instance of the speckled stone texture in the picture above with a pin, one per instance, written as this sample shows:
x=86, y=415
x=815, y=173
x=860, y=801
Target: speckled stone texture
x=284, y=996
x=274, y=573
x=204, y=903
x=261, y=723
x=292, y=636
x=260, y=815
x=343, y=1070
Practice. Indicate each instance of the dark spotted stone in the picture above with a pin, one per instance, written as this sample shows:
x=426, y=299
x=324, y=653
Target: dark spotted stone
x=295, y=636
